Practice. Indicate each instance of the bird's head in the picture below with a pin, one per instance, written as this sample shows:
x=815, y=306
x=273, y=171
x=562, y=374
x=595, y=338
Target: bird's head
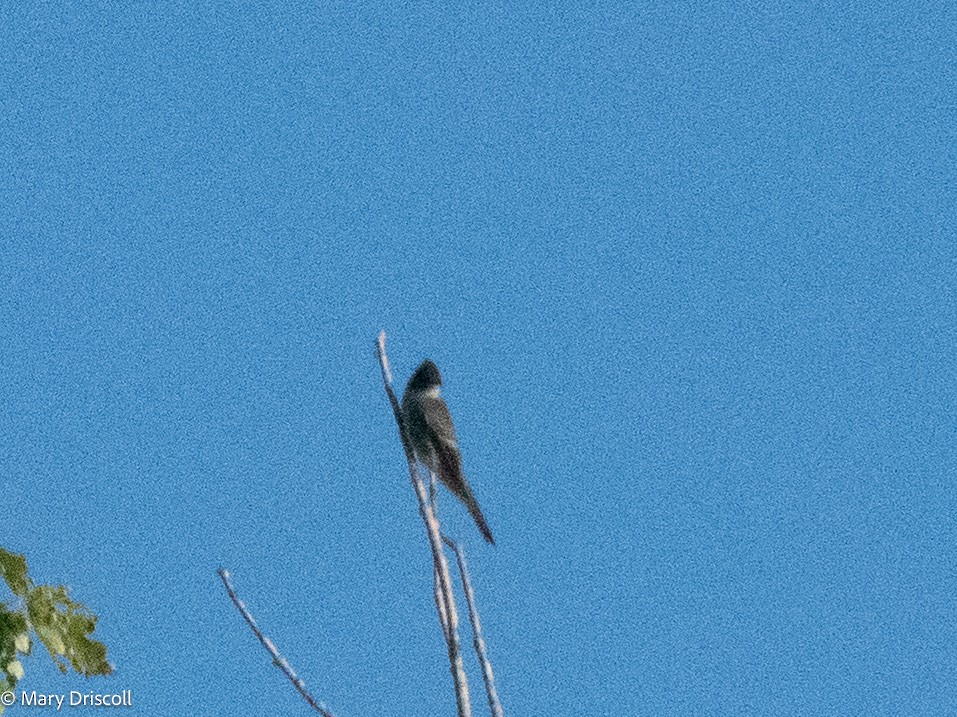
x=426, y=376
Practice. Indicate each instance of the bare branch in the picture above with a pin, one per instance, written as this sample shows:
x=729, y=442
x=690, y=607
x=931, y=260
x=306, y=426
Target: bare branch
x=440, y=604
x=478, y=642
x=450, y=626
x=278, y=659
x=433, y=492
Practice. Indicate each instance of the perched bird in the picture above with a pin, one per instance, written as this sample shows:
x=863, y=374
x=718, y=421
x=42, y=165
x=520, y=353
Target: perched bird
x=433, y=437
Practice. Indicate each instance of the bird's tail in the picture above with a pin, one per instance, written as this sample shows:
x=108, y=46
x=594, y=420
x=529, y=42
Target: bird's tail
x=479, y=519
x=450, y=473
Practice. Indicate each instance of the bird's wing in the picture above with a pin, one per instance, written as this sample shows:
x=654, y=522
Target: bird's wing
x=450, y=473
x=440, y=421
x=450, y=461
x=442, y=437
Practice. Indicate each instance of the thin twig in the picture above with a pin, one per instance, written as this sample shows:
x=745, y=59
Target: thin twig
x=433, y=492
x=450, y=627
x=278, y=659
x=436, y=582
x=440, y=604
x=478, y=642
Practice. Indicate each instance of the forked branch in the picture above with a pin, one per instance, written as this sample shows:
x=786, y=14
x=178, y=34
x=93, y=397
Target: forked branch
x=478, y=642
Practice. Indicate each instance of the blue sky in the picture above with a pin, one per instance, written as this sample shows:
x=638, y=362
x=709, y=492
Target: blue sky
x=688, y=270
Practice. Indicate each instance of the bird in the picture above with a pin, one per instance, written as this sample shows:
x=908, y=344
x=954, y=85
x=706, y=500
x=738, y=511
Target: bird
x=432, y=434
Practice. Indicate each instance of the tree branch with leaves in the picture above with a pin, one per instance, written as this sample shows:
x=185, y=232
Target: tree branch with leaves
x=62, y=625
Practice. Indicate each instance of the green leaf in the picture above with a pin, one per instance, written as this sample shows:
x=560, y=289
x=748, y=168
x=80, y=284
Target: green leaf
x=52, y=638
x=15, y=669
x=13, y=568
x=64, y=627
x=13, y=625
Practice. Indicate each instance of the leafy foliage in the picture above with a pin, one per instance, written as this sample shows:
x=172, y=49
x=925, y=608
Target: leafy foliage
x=63, y=626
